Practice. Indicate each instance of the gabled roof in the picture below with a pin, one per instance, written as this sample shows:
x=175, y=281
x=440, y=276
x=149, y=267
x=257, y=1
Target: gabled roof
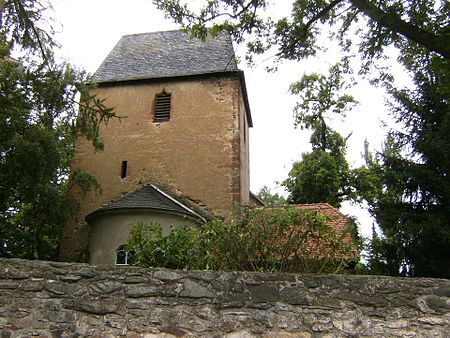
x=255, y=201
x=149, y=197
x=336, y=219
x=166, y=54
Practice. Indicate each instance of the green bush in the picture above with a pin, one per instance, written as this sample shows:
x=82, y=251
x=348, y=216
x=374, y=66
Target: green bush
x=280, y=239
x=154, y=249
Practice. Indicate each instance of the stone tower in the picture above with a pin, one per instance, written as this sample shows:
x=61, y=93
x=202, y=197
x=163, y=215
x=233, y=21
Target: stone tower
x=184, y=129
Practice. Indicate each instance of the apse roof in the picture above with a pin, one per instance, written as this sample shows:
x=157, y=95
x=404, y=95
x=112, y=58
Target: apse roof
x=149, y=197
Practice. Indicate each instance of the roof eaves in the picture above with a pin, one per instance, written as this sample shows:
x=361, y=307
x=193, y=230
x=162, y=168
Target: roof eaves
x=237, y=72
x=252, y=195
x=100, y=211
x=245, y=95
x=166, y=76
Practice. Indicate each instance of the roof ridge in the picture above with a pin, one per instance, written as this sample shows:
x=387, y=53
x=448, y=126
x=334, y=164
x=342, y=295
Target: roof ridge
x=323, y=206
x=176, y=201
x=155, y=32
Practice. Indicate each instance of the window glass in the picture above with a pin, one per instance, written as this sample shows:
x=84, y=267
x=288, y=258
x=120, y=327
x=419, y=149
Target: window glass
x=121, y=257
x=131, y=257
x=124, y=257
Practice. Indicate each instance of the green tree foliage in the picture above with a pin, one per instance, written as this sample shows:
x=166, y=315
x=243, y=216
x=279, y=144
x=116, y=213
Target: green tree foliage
x=319, y=96
x=386, y=22
x=381, y=258
x=38, y=111
x=322, y=175
x=406, y=185
x=409, y=194
x=318, y=177
x=279, y=239
x=271, y=199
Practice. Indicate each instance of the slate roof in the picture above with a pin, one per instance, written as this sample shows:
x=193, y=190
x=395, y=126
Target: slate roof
x=166, y=54
x=149, y=197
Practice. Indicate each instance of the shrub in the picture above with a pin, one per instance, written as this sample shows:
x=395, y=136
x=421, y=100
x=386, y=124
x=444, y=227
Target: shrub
x=281, y=239
x=155, y=250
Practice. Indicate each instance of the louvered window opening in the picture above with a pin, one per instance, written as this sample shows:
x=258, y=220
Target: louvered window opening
x=162, y=108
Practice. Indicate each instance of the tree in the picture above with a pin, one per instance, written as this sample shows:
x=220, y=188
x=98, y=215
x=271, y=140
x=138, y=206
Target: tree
x=421, y=22
x=406, y=185
x=38, y=115
x=315, y=179
x=411, y=196
x=322, y=175
x=270, y=199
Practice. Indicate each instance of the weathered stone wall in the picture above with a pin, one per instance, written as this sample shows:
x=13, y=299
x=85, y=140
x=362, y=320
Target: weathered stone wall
x=49, y=299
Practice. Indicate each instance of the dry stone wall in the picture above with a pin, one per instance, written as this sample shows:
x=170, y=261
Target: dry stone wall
x=49, y=299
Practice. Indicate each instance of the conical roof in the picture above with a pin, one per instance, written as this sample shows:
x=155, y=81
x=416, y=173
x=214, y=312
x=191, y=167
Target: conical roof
x=149, y=197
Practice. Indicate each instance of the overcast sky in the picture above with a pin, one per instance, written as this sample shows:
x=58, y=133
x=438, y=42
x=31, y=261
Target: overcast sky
x=89, y=29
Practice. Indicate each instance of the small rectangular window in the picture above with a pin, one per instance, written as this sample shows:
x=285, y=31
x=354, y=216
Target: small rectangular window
x=162, y=107
x=124, y=168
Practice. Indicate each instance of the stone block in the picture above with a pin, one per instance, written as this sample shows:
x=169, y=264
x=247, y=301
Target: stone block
x=104, y=287
x=263, y=293
x=96, y=307
x=140, y=291
x=192, y=289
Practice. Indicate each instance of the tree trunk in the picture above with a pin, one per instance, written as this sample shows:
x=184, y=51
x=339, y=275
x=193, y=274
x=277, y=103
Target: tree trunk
x=2, y=7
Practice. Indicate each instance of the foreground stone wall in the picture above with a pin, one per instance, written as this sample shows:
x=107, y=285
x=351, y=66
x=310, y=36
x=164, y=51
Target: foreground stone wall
x=70, y=300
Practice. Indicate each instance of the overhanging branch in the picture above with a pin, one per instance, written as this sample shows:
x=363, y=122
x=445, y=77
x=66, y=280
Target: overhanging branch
x=394, y=23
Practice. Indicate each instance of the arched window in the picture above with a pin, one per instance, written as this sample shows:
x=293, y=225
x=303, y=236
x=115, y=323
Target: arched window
x=124, y=257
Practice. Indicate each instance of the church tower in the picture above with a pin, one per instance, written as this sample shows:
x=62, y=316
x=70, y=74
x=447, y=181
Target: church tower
x=183, y=136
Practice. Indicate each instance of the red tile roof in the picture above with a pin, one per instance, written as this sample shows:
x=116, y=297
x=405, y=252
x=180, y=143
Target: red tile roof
x=337, y=220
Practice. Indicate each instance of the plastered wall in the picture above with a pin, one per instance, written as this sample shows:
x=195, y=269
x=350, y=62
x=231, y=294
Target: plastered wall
x=110, y=230
x=48, y=299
